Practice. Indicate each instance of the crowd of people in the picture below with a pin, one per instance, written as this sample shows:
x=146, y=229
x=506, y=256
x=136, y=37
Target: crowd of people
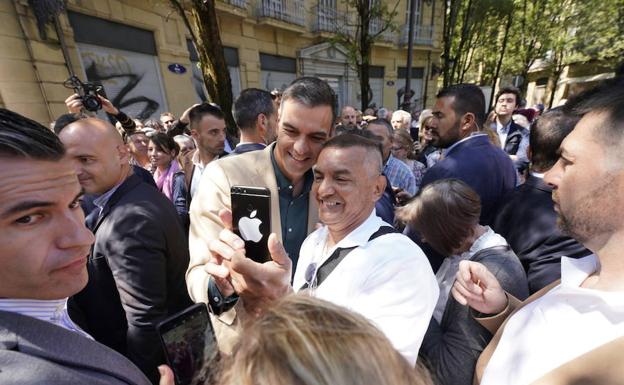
x=444, y=246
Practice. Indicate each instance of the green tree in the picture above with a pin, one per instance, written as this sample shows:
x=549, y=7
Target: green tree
x=363, y=23
x=200, y=18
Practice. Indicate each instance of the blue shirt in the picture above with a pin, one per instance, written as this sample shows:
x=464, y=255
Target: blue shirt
x=400, y=175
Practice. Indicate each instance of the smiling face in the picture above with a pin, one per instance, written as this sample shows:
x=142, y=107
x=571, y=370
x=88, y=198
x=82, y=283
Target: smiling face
x=98, y=153
x=138, y=144
x=301, y=133
x=347, y=183
x=159, y=158
x=45, y=243
x=587, y=183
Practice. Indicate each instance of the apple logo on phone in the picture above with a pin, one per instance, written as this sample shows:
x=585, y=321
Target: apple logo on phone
x=249, y=227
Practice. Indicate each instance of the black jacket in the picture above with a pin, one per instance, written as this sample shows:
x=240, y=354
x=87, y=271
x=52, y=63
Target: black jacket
x=136, y=273
x=527, y=219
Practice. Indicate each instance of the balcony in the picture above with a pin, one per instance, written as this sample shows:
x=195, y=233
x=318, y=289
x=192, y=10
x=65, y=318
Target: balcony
x=238, y=3
x=423, y=35
x=386, y=36
x=289, y=11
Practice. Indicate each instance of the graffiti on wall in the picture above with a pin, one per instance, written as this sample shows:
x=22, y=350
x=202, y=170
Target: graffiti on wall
x=131, y=80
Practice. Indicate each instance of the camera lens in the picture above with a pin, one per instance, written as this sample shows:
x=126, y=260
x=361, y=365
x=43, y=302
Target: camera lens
x=91, y=103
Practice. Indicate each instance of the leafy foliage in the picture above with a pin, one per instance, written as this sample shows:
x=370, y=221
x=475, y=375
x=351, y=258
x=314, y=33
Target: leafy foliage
x=560, y=32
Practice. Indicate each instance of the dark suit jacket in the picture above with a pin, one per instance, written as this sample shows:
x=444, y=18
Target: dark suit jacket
x=483, y=166
x=514, y=137
x=246, y=147
x=451, y=348
x=136, y=273
x=38, y=352
x=527, y=220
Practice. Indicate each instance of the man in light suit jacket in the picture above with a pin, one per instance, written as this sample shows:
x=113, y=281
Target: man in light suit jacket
x=573, y=330
x=137, y=264
x=526, y=217
x=42, y=263
x=307, y=114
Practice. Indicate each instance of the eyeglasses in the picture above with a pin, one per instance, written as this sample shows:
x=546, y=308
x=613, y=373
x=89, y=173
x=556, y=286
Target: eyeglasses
x=310, y=277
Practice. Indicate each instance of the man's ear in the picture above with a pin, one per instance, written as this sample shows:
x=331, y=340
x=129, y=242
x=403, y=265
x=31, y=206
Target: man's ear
x=123, y=153
x=262, y=121
x=379, y=187
x=467, y=122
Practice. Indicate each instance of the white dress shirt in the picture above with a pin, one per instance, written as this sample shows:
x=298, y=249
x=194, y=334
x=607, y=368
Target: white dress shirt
x=561, y=325
x=198, y=171
x=388, y=280
x=53, y=311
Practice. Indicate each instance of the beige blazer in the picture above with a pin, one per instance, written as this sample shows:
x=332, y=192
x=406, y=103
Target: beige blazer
x=603, y=365
x=249, y=169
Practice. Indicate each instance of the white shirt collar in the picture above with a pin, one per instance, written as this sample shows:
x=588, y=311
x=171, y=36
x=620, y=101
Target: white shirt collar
x=471, y=136
x=197, y=162
x=355, y=238
x=45, y=310
x=503, y=129
x=537, y=174
x=575, y=271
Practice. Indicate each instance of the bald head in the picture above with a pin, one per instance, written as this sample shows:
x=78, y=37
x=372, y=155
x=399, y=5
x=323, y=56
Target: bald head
x=348, y=116
x=98, y=152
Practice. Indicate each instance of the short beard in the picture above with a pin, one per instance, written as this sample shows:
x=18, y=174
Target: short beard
x=594, y=213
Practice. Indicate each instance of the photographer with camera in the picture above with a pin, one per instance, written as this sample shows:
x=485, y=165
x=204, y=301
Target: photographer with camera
x=75, y=105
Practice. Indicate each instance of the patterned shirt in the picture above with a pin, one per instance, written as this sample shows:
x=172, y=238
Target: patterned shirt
x=400, y=175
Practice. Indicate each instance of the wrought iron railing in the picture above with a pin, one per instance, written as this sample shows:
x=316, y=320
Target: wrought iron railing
x=423, y=34
x=290, y=11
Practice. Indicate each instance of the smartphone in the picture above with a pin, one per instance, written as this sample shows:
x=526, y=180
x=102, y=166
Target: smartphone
x=251, y=220
x=188, y=340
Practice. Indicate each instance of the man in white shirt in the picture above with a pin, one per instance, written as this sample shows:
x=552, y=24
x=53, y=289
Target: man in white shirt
x=43, y=261
x=565, y=332
x=207, y=124
x=513, y=137
x=355, y=259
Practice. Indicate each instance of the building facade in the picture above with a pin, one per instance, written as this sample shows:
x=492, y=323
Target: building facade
x=141, y=53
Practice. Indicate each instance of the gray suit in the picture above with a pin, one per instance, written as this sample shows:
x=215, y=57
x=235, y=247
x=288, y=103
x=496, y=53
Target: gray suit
x=38, y=352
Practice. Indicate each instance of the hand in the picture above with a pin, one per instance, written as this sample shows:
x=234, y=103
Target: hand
x=74, y=104
x=107, y=106
x=256, y=283
x=166, y=375
x=402, y=197
x=224, y=247
x=477, y=287
x=259, y=284
x=185, y=115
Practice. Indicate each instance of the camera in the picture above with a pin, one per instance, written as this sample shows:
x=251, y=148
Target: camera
x=88, y=93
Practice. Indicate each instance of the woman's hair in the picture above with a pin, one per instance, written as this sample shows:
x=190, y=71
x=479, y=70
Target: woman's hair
x=165, y=143
x=445, y=213
x=307, y=341
x=403, y=139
